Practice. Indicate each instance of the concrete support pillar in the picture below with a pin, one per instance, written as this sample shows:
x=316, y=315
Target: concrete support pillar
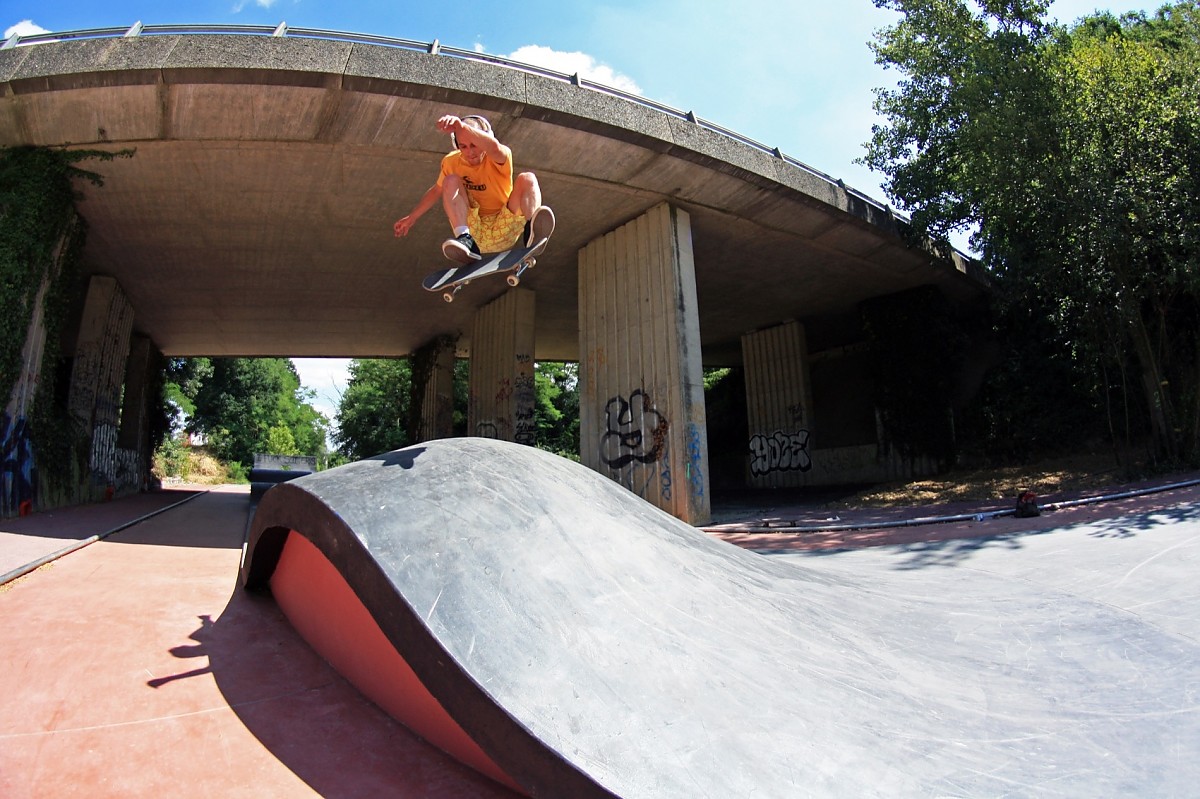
x=642, y=419
x=142, y=367
x=502, y=391
x=101, y=352
x=778, y=405
x=437, y=401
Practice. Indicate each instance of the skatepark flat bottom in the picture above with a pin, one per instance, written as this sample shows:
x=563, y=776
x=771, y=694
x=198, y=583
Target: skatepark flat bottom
x=141, y=670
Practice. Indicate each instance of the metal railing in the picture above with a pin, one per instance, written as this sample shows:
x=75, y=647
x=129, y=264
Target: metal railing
x=436, y=48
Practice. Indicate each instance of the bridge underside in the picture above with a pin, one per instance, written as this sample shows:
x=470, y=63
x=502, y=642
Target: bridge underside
x=255, y=217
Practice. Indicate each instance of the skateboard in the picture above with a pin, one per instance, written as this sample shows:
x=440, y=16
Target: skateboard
x=515, y=261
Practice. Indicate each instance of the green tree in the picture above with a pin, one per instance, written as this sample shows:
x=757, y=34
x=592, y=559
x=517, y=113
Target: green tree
x=968, y=124
x=183, y=379
x=556, y=411
x=1130, y=252
x=280, y=441
x=238, y=404
x=373, y=414
x=1072, y=155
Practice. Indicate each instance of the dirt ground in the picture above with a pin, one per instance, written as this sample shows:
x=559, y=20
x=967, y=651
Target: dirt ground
x=1069, y=473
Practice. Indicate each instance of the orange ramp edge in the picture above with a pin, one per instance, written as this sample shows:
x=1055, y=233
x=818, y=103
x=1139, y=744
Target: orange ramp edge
x=330, y=617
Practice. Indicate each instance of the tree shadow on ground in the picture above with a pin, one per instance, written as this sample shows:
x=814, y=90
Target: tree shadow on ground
x=955, y=551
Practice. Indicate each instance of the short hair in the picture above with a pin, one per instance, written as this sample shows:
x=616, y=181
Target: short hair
x=484, y=125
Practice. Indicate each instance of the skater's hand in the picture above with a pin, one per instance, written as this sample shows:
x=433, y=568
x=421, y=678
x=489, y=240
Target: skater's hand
x=449, y=124
x=403, y=225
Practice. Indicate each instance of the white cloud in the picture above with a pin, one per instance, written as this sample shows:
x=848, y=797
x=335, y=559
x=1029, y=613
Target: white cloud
x=241, y=4
x=327, y=377
x=25, y=27
x=581, y=64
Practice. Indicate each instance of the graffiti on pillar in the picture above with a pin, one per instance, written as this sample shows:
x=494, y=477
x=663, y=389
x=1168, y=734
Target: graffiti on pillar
x=634, y=431
x=524, y=401
x=695, y=466
x=779, y=452
x=796, y=412
x=18, y=472
x=664, y=477
x=525, y=398
x=103, y=461
x=487, y=430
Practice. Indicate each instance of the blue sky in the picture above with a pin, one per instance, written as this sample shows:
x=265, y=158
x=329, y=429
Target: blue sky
x=792, y=74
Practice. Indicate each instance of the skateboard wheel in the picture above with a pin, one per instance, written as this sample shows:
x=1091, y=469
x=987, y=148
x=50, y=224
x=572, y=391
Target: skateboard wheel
x=448, y=296
x=513, y=280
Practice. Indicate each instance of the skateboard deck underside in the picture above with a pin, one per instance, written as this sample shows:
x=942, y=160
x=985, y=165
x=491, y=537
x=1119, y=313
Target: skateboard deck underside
x=493, y=263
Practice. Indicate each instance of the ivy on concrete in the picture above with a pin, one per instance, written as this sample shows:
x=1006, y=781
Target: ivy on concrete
x=41, y=238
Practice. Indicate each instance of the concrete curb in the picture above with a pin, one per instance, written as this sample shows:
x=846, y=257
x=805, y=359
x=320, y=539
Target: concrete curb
x=21, y=571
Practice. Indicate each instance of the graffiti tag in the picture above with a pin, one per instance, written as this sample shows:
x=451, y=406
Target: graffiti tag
x=634, y=431
x=779, y=452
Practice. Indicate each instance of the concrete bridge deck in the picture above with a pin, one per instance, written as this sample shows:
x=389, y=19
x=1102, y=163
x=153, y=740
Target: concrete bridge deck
x=256, y=217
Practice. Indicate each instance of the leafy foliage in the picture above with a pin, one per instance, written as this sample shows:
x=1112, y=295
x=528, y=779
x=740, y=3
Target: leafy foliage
x=245, y=406
x=557, y=409
x=378, y=410
x=373, y=415
x=1073, y=156
x=41, y=237
x=37, y=214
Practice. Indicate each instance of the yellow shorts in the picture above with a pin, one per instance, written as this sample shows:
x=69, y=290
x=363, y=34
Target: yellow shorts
x=495, y=233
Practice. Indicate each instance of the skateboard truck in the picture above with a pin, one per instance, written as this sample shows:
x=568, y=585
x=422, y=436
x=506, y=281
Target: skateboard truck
x=526, y=263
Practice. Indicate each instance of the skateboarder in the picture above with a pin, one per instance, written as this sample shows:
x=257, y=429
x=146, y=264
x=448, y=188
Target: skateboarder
x=488, y=209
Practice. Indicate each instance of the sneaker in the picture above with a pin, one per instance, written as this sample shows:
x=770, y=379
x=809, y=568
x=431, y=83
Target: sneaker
x=462, y=249
x=539, y=226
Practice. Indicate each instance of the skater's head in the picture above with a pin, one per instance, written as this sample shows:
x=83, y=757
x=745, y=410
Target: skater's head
x=478, y=123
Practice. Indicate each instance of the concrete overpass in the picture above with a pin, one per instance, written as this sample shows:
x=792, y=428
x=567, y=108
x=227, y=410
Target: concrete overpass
x=255, y=220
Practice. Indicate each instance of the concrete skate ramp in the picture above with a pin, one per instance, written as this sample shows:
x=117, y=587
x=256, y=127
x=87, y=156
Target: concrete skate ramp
x=591, y=645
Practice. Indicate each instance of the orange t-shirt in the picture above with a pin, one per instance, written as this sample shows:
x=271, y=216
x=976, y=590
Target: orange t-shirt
x=488, y=184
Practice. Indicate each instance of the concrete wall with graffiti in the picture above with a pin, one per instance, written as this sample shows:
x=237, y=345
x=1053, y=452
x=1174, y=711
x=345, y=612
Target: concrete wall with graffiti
x=778, y=405
x=642, y=418
x=97, y=379
x=809, y=416
x=97, y=403
x=18, y=469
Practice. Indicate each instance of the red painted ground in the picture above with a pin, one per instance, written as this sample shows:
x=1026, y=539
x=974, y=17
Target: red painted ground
x=136, y=668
